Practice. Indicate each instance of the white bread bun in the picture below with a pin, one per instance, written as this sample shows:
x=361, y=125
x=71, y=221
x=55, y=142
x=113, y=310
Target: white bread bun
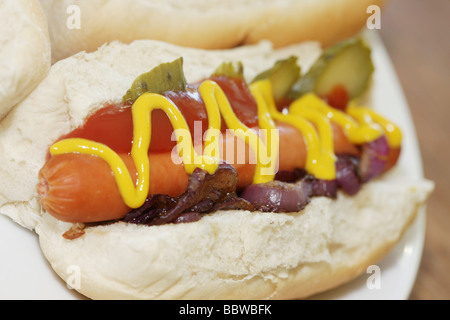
x=78, y=25
x=233, y=254
x=238, y=254
x=24, y=50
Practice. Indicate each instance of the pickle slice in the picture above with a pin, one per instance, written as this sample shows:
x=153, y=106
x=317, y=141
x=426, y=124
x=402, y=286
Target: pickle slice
x=230, y=70
x=282, y=75
x=348, y=63
x=165, y=77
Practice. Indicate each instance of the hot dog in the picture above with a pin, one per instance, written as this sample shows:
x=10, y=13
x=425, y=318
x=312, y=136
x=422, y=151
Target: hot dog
x=78, y=198
x=58, y=192
x=226, y=254
x=67, y=184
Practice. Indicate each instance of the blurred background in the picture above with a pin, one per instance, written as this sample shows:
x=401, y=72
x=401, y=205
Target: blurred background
x=416, y=36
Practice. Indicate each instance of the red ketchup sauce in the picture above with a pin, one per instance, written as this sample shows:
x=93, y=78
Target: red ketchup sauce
x=113, y=126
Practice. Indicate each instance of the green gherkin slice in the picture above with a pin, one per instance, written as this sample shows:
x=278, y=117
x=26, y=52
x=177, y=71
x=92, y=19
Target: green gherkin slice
x=165, y=77
x=348, y=63
x=282, y=75
x=230, y=70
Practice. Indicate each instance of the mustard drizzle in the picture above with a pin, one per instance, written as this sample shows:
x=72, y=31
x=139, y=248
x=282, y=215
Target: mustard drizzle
x=309, y=114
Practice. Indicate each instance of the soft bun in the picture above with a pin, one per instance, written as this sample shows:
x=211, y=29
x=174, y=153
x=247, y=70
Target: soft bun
x=238, y=254
x=225, y=255
x=202, y=24
x=24, y=50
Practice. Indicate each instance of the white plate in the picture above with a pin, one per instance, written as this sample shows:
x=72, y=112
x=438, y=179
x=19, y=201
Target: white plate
x=25, y=274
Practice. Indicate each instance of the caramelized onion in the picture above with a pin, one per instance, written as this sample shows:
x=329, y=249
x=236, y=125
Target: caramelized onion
x=373, y=158
x=205, y=193
x=317, y=187
x=346, y=174
x=295, y=189
x=290, y=176
x=276, y=196
x=289, y=192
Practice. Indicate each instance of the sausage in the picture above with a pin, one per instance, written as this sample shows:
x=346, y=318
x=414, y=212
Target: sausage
x=81, y=188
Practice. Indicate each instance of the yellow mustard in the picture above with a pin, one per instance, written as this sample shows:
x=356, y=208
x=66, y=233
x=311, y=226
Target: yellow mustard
x=320, y=159
x=309, y=114
x=360, y=124
x=367, y=117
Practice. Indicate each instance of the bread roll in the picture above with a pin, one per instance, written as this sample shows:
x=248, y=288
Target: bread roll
x=225, y=255
x=238, y=254
x=24, y=50
x=77, y=25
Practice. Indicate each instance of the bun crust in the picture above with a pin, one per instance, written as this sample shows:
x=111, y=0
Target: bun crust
x=225, y=255
x=205, y=24
x=24, y=51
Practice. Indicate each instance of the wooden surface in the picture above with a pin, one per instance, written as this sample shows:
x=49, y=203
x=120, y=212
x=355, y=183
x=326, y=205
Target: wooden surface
x=416, y=34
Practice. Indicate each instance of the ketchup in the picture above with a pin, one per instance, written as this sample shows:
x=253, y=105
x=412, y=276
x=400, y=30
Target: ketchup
x=338, y=97
x=113, y=124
